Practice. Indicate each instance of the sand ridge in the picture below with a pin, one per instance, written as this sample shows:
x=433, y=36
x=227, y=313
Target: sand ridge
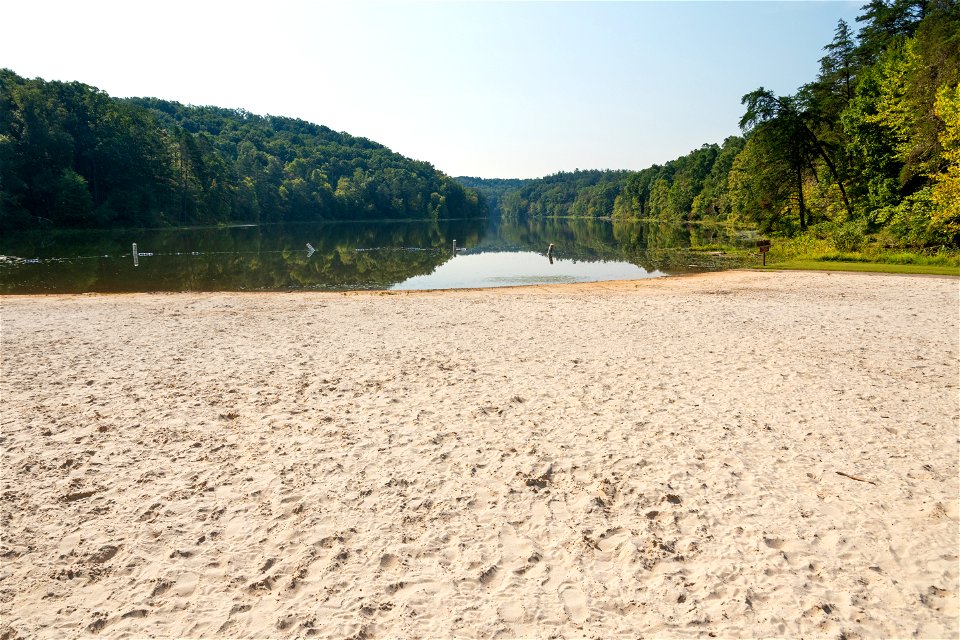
x=736, y=454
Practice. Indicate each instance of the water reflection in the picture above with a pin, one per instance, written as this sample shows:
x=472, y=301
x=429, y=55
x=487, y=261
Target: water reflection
x=501, y=269
x=341, y=256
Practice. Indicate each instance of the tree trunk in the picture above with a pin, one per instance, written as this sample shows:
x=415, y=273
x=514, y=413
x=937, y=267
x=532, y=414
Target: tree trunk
x=833, y=169
x=813, y=172
x=802, y=206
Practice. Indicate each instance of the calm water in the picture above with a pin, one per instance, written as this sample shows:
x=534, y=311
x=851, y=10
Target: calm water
x=368, y=255
x=504, y=269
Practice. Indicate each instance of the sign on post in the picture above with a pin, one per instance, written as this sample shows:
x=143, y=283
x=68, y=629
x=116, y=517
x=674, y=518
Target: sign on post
x=764, y=247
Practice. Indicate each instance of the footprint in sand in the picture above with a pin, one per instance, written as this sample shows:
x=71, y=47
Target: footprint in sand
x=773, y=543
x=401, y=589
x=513, y=546
x=185, y=585
x=492, y=577
x=389, y=561
x=512, y=612
x=789, y=550
x=575, y=604
x=612, y=538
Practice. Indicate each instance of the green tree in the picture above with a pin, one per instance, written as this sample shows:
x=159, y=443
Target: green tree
x=886, y=21
x=838, y=69
x=945, y=220
x=783, y=122
x=760, y=188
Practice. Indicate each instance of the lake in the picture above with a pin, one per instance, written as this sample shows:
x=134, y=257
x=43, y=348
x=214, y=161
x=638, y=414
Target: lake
x=359, y=255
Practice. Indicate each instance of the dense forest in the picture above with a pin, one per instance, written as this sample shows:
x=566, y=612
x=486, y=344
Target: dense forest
x=580, y=193
x=492, y=189
x=870, y=147
x=72, y=156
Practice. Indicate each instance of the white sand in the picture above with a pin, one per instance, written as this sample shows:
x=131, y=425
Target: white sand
x=658, y=458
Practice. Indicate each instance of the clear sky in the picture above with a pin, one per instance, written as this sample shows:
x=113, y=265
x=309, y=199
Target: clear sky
x=484, y=89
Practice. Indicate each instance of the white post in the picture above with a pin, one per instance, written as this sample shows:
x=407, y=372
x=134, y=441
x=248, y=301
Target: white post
x=136, y=256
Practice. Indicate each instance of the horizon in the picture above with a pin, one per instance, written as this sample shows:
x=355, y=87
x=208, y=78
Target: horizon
x=527, y=90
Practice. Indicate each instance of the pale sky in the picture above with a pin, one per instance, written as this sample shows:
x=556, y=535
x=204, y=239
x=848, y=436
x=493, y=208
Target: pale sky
x=489, y=89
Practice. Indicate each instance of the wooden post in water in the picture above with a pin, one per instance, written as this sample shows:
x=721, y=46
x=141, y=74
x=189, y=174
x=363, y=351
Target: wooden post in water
x=136, y=256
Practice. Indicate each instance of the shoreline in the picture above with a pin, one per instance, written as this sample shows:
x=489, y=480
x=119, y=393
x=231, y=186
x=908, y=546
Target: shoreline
x=742, y=453
x=611, y=285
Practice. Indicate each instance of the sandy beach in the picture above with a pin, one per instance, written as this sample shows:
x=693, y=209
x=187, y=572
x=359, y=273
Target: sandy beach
x=742, y=454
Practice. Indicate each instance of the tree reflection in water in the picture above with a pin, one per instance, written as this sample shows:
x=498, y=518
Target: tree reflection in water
x=350, y=255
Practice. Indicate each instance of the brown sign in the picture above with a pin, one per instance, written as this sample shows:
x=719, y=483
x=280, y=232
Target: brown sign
x=763, y=246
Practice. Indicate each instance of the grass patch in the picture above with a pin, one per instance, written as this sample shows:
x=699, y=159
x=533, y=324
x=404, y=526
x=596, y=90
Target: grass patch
x=873, y=254
x=869, y=267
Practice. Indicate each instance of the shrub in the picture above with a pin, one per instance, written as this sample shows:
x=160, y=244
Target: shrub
x=849, y=237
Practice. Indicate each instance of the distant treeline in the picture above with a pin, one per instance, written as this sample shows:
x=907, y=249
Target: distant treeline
x=871, y=146
x=492, y=189
x=70, y=155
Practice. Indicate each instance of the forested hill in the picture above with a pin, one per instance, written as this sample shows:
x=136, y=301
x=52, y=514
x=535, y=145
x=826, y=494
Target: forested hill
x=680, y=188
x=867, y=150
x=571, y=193
x=492, y=189
x=70, y=155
